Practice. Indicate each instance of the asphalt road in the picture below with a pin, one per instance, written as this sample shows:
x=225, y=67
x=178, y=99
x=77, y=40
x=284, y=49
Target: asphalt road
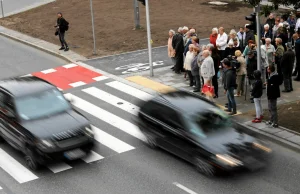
x=17, y=59
x=134, y=62
x=123, y=164
x=14, y=6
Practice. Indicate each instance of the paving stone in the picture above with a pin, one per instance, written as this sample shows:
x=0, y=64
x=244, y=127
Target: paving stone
x=256, y=125
x=168, y=83
x=284, y=134
x=179, y=85
x=271, y=130
x=166, y=78
x=295, y=139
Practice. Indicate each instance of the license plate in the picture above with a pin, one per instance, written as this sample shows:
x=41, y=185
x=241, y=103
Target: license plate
x=74, y=154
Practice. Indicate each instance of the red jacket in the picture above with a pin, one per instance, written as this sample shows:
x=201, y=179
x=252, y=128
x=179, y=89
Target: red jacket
x=213, y=39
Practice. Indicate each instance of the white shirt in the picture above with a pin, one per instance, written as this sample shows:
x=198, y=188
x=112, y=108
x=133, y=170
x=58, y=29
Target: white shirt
x=222, y=41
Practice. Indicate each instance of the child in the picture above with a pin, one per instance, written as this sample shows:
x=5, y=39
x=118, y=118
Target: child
x=273, y=92
x=256, y=93
x=187, y=63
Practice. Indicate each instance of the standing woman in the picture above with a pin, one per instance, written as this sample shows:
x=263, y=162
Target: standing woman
x=241, y=73
x=267, y=55
x=195, y=69
x=62, y=26
x=171, y=52
x=187, y=63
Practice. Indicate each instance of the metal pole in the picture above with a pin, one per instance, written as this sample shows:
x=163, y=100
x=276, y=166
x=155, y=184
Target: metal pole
x=93, y=27
x=136, y=14
x=257, y=10
x=149, y=38
x=2, y=8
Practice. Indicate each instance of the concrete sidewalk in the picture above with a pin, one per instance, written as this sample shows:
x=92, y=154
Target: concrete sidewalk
x=165, y=80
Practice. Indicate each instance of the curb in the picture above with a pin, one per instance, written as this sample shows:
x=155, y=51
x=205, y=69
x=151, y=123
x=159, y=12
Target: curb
x=244, y=128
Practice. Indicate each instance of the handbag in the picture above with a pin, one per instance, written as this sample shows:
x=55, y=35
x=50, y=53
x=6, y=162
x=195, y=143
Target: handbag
x=208, y=90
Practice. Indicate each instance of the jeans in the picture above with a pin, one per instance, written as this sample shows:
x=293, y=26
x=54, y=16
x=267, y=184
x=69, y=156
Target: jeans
x=231, y=100
x=240, y=82
x=258, y=107
x=197, y=81
x=62, y=39
x=272, y=105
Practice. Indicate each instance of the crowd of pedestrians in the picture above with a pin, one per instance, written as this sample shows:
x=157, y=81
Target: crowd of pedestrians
x=233, y=57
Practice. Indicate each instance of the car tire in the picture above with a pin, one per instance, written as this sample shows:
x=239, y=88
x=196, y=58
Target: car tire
x=204, y=167
x=30, y=160
x=151, y=141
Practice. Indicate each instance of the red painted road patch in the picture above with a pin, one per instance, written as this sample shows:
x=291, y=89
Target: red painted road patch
x=69, y=76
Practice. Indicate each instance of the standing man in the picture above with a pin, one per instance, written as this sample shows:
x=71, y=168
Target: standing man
x=221, y=42
x=229, y=86
x=287, y=64
x=178, y=46
x=249, y=34
x=271, y=20
x=62, y=26
x=242, y=39
x=297, y=50
x=273, y=92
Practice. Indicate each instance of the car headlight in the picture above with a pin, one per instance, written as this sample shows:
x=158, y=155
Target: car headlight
x=89, y=132
x=228, y=160
x=261, y=147
x=45, y=144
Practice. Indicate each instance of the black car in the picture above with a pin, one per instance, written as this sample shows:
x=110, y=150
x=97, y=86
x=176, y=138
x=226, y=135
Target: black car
x=38, y=120
x=198, y=131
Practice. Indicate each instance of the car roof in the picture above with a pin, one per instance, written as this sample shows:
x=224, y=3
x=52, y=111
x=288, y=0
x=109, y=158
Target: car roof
x=185, y=102
x=22, y=86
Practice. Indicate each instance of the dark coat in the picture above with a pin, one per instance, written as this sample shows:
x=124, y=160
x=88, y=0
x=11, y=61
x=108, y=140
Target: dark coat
x=297, y=51
x=230, y=51
x=249, y=36
x=62, y=23
x=195, y=67
x=268, y=35
x=217, y=60
x=287, y=62
x=251, y=67
x=178, y=43
x=257, y=89
x=273, y=90
x=271, y=22
x=229, y=79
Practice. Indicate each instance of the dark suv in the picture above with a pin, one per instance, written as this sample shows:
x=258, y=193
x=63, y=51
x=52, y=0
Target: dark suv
x=36, y=119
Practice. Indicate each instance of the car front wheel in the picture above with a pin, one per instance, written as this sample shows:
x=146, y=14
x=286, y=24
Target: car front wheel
x=30, y=160
x=204, y=167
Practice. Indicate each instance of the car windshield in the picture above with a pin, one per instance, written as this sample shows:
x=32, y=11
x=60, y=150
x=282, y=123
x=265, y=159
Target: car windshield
x=204, y=123
x=42, y=104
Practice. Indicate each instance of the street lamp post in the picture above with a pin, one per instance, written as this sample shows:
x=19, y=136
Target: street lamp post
x=2, y=9
x=149, y=38
x=136, y=14
x=93, y=27
x=257, y=10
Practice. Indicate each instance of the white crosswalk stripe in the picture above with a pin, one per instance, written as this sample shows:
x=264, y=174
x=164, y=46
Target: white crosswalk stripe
x=130, y=90
x=15, y=169
x=113, y=100
x=106, y=116
x=103, y=138
x=0, y=188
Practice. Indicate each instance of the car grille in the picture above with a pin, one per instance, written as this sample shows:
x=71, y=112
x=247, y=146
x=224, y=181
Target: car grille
x=67, y=134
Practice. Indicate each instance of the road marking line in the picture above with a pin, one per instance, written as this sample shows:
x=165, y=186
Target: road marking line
x=148, y=83
x=59, y=167
x=76, y=84
x=113, y=100
x=110, y=141
x=100, y=78
x=60, y=89
x=184, y=188
x=28, y=75
x=92, y=157
x=223, y=108
x=70, y=65
x=15, y=169
x=130, y=90
x=48, y=71
x=0, y=188
x=107, y=117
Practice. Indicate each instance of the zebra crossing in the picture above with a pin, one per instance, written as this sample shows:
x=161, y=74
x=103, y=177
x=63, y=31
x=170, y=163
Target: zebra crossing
x=104, y=137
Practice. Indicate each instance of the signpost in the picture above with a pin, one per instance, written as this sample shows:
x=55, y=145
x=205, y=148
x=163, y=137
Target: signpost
x=136, y=14
x=2, y=9
x=93, y=27
x=149, y=38
x=257, y=10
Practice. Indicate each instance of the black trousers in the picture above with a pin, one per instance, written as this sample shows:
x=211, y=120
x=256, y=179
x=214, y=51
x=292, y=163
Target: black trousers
x=191, y=78
x=287, y=81
x=222, y=54
x=178, y=62
x=197, y=81
x=62, y=39
x=297, y=70
x=216, y=84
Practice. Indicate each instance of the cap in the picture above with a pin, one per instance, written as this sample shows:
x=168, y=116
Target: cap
x=226, y=61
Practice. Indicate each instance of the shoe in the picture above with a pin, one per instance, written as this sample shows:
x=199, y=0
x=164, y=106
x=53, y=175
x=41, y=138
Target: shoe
x=292, y=89
x=232, y=113
x=237, y=95
x=297, y=79
x=62, y=48
x=269, y=123
x=275, y=125
x=177, y=72
x=286, y=91
x=256, y=120
x=66, y=49
x=227, y=110
x=294, y=73
x=196, y=90
x=172, y=67
x=215, y=96
x=261, y=117
x=252, y=101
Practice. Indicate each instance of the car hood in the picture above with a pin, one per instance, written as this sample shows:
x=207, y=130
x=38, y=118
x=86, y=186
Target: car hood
x=46, y=127
x=228, y=141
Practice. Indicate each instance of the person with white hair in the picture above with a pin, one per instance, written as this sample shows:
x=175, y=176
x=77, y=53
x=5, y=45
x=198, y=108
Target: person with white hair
x=213, y=36
x=267, y=56
x=221, y=42
x=266, y=33
x=178, y=46
x=171, y=53
x=187, y=63
x=275, y=28
x=232, y=36
x=207, y=70
x=185, y=31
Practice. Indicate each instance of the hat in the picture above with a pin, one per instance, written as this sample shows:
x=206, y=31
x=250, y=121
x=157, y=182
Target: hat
x=226, y=61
